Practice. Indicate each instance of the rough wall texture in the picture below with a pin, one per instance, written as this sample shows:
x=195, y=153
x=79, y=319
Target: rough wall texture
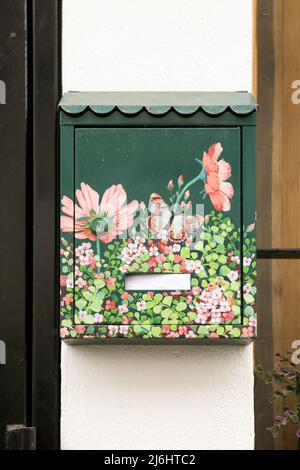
x=157, y=397
x=127, y=397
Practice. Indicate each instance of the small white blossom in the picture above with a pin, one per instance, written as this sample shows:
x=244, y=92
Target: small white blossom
x=123, y=329
x=113, y=329
x=247, y=261
x=98, y=318
x=233, y=275
x=141, y=305
x=82, y=315
x=176, y=248
x=122, y=308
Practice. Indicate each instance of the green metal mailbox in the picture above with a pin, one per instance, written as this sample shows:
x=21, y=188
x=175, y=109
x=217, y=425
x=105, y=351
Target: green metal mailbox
x=157, y=217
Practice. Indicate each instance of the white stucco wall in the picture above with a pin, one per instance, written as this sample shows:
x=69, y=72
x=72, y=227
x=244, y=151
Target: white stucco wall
x=183, y=397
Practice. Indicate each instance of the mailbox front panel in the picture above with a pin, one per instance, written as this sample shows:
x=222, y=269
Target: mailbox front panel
x=125, y=174
x=144, y=161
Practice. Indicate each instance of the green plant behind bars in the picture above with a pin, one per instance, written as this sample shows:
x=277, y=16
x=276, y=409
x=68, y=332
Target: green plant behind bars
x=286, y=377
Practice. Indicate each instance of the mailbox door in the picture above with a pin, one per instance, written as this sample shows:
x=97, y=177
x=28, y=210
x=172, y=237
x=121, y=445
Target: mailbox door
x=122, y=173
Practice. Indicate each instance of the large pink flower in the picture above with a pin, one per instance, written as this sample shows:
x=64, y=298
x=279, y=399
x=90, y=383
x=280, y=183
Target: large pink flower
x=219, y=191
x=112, y=216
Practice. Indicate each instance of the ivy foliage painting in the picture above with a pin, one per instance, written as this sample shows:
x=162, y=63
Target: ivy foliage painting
x=116, y=238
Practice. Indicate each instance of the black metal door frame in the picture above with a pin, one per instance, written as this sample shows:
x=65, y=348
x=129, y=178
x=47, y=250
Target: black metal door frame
x=30, y=69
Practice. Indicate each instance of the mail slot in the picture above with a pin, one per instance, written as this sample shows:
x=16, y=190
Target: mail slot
x=157, y=219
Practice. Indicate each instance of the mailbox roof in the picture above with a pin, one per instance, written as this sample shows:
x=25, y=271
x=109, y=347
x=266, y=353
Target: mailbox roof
x=158, y=103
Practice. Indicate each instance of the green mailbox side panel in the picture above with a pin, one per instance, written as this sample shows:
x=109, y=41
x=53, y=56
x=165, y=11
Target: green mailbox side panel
x=158, y=233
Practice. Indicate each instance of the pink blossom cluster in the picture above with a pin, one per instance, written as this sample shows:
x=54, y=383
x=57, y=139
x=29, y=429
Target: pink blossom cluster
x=115, y=329
x=84, y=256
x=131, y=252
x=212, y=305
x=182, y=330
x=157, y=254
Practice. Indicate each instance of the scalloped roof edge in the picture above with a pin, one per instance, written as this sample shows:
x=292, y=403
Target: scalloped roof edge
x=158, y=103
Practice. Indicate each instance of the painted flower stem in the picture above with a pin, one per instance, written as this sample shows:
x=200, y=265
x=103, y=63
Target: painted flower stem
x=187, y=186
x=98, y=245
x=99, y=255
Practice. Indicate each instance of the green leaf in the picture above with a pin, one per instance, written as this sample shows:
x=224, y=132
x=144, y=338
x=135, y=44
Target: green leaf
x=213, y=265
x=87, y=295
x=174, y=316
x=157, y=320
x=67, y=323
x=235, y=286
x=81, y=303
x=224, y=270
x=229, y=294
x=168, y=300
x=176, y=268
x=181, y=306
x=167, y=266
x=158, y=297
x=101, y=330
x=203, y=330
x=144, y=268
x=249, y=311
x=199, y=246
x=97, y=304
x=138, y=329
x=156, y=331
x=236, y=310
x=147, y=297
x=166, y=312
x=221, y=249
x=185, y=252
x=191, y=316
x=235, y=332
x=151, y=304
x=90, y=330
x=89, y=319
x=249, y=299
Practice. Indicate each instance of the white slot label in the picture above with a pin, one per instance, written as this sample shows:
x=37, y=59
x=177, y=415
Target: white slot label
x=153, y=282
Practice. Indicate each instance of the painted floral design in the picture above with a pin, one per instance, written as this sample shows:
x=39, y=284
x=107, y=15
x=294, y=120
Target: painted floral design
x=217, y=172
x=109, y=219
x=94, y=302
